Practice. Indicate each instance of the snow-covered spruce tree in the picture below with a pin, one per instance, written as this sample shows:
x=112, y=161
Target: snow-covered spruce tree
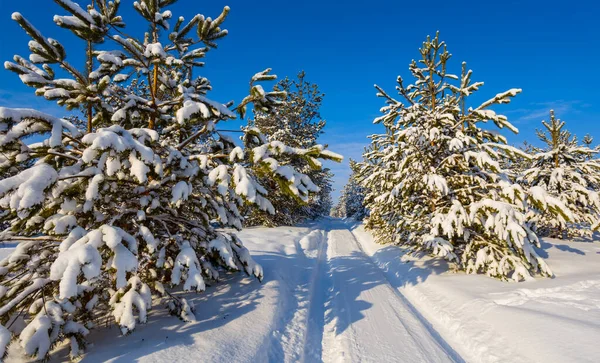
x=118, y=208
x=569, y=172
x=297, y=123
x=434, y=181
x=350, y=204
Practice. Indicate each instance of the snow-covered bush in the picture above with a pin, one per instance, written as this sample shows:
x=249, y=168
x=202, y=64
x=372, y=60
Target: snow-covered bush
x=120, y=206
x=351, y=202
x=296, y=122
x=570, y=173
x=434, y=180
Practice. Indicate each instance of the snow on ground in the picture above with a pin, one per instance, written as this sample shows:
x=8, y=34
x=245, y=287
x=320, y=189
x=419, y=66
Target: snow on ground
x=331, y=294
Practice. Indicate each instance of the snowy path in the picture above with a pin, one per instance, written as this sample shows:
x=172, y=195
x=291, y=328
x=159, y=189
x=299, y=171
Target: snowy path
x=339, y=307
x=366, y=312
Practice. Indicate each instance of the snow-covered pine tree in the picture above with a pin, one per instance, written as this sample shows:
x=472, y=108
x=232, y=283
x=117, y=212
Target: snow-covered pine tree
x=321, y=202
x=569, y=172
x=297, y=122
x=119, y=208
x=434, y=181
x=350, y=204
x=588, y=140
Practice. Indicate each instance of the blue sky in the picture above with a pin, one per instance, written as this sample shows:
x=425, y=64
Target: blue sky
x=550, y=49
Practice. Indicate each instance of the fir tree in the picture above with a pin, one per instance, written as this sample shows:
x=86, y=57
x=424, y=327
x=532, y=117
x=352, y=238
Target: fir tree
x=570, y=173
x=434, y=180
x=118, y=208
x=298, y=123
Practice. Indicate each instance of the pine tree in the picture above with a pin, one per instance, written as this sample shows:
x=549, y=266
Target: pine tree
x=434, y=180
x=298, y=123
x=588, y=140
x=320, y=203
x=351, y=202
x=570, y=173
x=119, y=207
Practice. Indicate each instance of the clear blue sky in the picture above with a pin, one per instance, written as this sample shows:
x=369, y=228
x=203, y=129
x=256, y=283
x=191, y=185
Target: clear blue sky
x=550, y=49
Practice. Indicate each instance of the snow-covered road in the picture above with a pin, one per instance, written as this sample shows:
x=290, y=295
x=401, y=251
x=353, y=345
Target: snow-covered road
x=336, y=305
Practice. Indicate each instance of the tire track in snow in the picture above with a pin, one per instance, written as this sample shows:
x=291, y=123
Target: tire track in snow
x=313, y=342
x=367, y=318
x=292, y=338
x=434, y=333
